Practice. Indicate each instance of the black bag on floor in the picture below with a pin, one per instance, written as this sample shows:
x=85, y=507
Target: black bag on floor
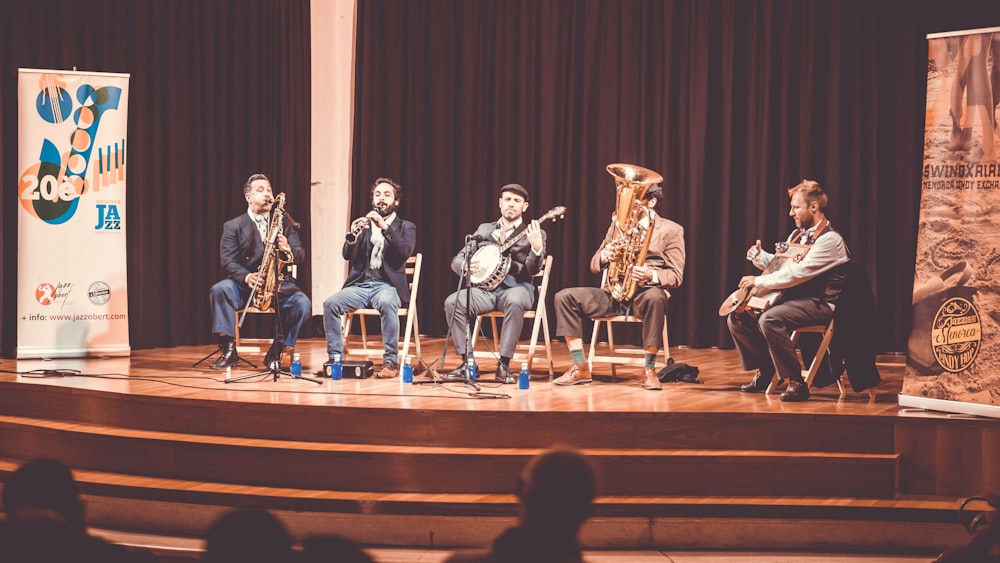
x=359, y=370
x=678, y=372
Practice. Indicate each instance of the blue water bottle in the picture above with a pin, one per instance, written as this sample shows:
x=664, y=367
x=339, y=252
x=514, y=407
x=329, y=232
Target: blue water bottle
x=408, y=370
x=471, y=368
x=523, y=378
x=296, y=365
x=337, y=369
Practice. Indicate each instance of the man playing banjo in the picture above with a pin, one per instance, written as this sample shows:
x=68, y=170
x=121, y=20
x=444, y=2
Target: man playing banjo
x=806, y=287
x=492, y=288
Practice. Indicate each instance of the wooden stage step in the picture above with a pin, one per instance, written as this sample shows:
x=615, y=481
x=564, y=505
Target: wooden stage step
x=171, y=508
x=439, y=469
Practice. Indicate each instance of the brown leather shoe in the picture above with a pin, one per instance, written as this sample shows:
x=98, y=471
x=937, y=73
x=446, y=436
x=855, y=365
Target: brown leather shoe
x=389, y=370
x=797, y=391
x=579, y=374
x=758, y=384
x=651, y=382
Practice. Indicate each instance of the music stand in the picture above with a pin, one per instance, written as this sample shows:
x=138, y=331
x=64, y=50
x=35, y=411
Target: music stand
x=275, y=368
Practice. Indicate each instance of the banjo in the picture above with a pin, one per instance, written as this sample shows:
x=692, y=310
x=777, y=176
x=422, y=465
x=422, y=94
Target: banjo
x=494, y=260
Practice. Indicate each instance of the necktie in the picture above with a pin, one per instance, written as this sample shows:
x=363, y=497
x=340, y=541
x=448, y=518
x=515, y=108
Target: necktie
x=378, y=242
x=261, y=226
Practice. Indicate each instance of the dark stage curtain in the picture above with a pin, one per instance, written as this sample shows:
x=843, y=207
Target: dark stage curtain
x=218, y=90
x=732, y=101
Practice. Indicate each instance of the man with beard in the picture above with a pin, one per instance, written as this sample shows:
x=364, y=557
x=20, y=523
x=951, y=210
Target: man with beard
x=242, y=251
x=377, y=248
x=513, y=296
x=810, y=285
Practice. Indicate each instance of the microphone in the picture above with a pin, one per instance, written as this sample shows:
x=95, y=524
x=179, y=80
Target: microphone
x=474, y=238
x=292, y=222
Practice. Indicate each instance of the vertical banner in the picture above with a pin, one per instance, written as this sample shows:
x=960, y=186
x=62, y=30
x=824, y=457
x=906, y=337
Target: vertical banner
x=71, y=292
x=953, y=358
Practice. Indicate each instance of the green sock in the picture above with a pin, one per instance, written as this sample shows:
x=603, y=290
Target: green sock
x=578, y=357
x=650, y=360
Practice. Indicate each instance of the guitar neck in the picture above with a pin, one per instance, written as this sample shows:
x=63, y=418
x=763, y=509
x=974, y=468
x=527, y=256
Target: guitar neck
x=509, y=243
x=552, y=214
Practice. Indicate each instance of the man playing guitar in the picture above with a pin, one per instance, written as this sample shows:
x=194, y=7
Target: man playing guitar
x=808, y=285
x=513, y=295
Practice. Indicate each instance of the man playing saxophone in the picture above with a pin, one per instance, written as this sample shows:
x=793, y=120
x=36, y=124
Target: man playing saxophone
x=242, y=252
x=662, y=269
x=377, y=246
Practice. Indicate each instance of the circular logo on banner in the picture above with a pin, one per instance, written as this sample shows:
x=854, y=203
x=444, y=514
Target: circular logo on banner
x=45, y=293
x=956, y=334
x=99, y=293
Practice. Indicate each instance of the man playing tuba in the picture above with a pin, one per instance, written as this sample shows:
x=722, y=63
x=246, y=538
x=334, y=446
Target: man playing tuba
x=647, y=264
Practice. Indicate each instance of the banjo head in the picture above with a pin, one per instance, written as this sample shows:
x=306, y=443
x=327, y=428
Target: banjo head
x=488, y=257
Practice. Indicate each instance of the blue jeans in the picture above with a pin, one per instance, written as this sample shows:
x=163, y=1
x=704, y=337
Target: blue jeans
x=227, y=296
x=370, y=294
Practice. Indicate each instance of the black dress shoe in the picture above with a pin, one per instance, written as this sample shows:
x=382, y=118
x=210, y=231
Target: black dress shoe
x=228, y=358
x=457, y=374
x=797, y=391
x=504, y=375
x=758, y=384
x=272, y=360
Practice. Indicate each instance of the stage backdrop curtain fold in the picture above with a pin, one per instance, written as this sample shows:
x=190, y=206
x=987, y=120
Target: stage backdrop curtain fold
x=731, y=101
x=218, y=91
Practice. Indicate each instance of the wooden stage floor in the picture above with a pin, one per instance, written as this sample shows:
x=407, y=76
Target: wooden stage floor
x=160, y=447
x=168, y=372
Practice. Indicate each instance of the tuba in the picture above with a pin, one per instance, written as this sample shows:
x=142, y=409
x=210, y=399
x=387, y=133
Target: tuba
x=632, y=240
x=269, y=275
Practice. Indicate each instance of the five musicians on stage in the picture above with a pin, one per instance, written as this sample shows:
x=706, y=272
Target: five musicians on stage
x=495, y=267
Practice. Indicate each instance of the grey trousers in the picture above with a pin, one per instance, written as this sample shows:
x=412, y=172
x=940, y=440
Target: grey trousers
x=574, y=304
x=513, y=301
x=765, y=343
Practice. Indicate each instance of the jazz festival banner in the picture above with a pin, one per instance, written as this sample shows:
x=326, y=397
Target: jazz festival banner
x=953, y=356
x=71, y=291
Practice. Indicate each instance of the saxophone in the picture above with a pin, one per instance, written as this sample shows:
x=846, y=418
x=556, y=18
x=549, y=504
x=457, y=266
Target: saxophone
x=269, y=276
x=632, y=240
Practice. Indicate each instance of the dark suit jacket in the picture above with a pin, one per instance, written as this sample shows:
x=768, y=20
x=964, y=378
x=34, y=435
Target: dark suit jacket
x=400, y=241
x=242, y=251
x=854, y=335
x=524, y=263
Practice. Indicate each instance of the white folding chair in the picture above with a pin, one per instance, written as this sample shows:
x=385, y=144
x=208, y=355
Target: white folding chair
x=541, y=281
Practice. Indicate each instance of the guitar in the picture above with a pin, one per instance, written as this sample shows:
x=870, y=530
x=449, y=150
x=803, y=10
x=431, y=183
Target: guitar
x=755, y=300
x=494, y=260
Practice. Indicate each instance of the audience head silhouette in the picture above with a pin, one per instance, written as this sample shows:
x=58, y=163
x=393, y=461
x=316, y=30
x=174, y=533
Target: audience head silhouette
x=45, y=520
x=557, y=490
x=247, y=536
x=43, y=485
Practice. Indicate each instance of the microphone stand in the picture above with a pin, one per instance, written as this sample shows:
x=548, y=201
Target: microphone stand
x=465, y=278
x=274, y=370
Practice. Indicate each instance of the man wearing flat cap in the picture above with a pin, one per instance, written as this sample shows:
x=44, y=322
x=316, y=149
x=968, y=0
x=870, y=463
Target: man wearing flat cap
x=662, y=270
x=513, y=295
